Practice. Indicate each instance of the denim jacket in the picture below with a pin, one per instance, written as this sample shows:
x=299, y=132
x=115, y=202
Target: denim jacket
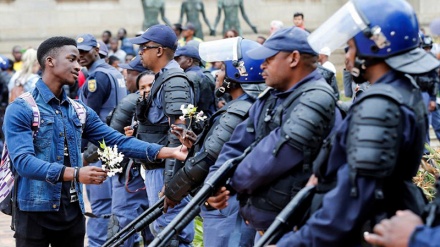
x=39, y=161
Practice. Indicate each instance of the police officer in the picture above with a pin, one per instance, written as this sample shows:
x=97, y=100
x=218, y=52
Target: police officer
x=242, y=79
x=430, y=82
x=286, y=126
x=408, y=229
x=170, y=90
x=190, y=61
x=131, y=199
x=102, y=91
x=378, y=147
x=133, y=69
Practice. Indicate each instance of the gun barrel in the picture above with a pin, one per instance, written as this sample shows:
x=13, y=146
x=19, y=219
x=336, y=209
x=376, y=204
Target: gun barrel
x=191, y=210
x=290, y=216
x=137, y=224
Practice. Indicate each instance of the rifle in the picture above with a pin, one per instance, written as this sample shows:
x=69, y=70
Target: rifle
x=291, y=216
x=138, y=224
x=192, y=209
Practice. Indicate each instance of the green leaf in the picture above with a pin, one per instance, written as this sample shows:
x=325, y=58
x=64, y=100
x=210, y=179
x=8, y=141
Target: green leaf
x=102, y=144
x=198, y=227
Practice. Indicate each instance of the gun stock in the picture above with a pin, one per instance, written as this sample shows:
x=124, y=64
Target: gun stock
x=290, y=216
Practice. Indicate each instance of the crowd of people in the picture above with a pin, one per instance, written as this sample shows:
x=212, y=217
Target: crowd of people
x=179, y=108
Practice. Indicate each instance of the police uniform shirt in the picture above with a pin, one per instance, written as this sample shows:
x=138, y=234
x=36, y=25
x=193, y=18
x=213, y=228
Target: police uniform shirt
x=96, y=90
x=260, y=167
x=156, y=114
x=338, y=221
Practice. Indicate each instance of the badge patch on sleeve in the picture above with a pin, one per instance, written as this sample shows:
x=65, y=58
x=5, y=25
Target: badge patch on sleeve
x=91, y=85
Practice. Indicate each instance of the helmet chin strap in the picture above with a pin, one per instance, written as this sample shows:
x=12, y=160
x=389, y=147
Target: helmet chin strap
x=226, y=87
x=358, y=71
x=219, y=92
x=360, y=67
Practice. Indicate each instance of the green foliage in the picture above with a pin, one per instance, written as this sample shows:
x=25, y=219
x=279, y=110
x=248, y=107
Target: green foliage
x=198, y=227
x=428, y=172
x=102, y=144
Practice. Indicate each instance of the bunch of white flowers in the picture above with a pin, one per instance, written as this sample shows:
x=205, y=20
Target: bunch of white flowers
x=111, y=159
x=191, y=112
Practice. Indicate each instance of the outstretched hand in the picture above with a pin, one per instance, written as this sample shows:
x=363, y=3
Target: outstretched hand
x=180, y=152
x=186, y=137
x=92, y=175
x=394, y=232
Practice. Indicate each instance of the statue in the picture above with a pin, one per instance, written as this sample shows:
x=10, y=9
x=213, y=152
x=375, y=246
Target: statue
x=192, y=8
x=152, y=8
x=230, y=7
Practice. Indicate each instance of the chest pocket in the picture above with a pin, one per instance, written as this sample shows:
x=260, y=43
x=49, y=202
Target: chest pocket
x=44, y=136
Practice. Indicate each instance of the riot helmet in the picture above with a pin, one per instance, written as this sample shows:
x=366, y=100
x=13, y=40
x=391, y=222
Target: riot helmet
x=4, y=63
x=385, y=30
x=239, y=67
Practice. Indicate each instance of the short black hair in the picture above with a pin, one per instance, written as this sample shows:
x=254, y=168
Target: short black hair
x=178, y=26
x=51, y=46
x=298, y=14
x=138, y=78
x=108, y=32
x=113, y=59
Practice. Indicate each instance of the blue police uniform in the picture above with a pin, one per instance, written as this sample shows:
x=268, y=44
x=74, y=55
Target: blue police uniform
x=340, y=219
x=103, y=89
x=218, y=225
x=424, y=236
x=132, y=197
x=204, y=93
x=129, y=202
x=257, y=168
x=154, y=178
x=203, y=85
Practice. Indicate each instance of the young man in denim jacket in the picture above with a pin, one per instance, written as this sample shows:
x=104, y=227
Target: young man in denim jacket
x=49, y=166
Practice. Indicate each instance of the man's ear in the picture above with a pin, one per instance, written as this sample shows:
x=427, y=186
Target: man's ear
x=49, y=61
x=294, y=58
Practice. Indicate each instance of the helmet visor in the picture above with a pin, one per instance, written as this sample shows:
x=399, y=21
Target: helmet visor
x=220, y=50
x=338, y=29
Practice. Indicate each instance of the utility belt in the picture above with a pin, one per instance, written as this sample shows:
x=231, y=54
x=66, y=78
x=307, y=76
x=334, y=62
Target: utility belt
x=147, y=166
x=153, y=134
x=152, y=166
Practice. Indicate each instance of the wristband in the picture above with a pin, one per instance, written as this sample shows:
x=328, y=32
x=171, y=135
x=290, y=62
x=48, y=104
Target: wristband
x=77, y=174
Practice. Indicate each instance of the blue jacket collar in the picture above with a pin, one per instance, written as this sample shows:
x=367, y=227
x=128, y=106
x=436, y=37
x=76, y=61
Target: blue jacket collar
x=46, y=94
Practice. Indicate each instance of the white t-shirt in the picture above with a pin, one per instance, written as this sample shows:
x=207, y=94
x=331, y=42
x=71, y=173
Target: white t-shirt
x=328, y=65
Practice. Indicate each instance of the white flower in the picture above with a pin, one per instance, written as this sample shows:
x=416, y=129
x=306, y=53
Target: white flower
x=111, y=159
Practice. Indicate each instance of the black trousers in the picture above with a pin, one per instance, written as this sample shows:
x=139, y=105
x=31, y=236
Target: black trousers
x=34, y=235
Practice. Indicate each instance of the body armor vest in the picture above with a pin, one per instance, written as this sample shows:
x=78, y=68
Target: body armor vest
x=277, y=195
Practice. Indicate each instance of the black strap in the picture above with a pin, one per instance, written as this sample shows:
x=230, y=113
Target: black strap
x=14, y=202
x=127, y=177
